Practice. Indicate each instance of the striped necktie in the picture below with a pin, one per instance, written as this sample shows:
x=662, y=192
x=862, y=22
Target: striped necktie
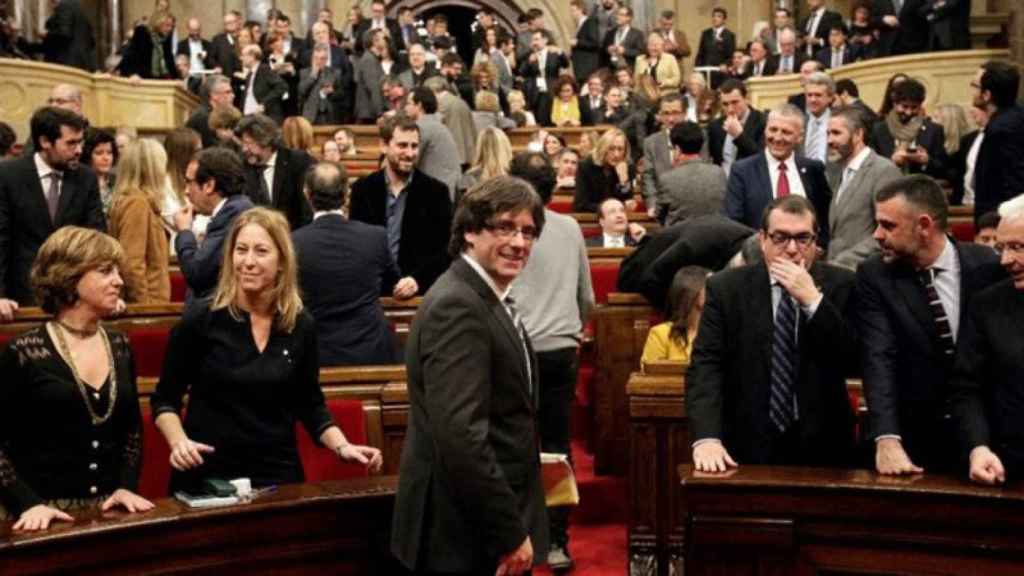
x=517, y=321
x=942, y=327
x=785, y=359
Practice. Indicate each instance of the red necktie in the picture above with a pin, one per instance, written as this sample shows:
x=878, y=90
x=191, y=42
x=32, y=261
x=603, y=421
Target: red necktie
x=783, y=188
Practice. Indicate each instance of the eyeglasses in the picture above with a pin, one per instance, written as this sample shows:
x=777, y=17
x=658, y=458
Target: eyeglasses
x=509, y=230
x=1013, y=248
x=802, y=240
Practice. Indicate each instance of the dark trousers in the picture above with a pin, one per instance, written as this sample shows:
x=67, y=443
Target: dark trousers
x=557, y=388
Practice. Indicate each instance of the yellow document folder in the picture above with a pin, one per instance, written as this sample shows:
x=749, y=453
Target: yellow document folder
x=559, y=481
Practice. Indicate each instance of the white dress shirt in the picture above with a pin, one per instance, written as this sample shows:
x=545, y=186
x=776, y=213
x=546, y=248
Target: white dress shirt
x=816, y=138
x=972, y=160
x=268, y=176
x=614, y=241
x=796, y=184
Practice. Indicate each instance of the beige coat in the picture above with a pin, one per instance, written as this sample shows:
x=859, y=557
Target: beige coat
x=137, y=224
x=668, y=75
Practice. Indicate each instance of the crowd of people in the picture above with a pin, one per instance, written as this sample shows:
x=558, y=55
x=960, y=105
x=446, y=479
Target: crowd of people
x=798, y=247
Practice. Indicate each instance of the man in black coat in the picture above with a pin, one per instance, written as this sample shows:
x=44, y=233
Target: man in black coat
x=621, y=45
x=216, y=91
x=767, y=380
x=223, y=52
x=908, y=137
x=470, y=498
x=903, y=30
x=739, y=132
x=69, y=39
x=717, y=45
x=540, y=71
x=197, y=48
x=344, y=267
x=586, y=46
x=912, y=300
x=415, y=208
x=999, y=168
x=262, y=90
x=815, y=27
x=988, y=378
x=40, y=193
x=275, y=174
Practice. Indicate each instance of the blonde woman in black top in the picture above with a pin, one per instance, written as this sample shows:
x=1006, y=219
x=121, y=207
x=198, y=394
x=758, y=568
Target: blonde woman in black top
x=70, y=433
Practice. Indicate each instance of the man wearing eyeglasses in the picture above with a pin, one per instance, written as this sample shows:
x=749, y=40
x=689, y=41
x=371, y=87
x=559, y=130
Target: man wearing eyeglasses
x=470, y=498
x=911, y=300
x=767, y=383
x=988, y=375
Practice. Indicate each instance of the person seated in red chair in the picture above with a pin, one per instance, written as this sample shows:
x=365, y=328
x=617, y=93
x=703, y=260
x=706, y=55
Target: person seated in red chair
x=70, y=431
x=566, y=163
x=248, y=360
x=616, y=229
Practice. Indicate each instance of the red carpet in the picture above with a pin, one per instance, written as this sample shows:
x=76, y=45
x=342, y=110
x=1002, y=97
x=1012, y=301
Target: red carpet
x=597, y=531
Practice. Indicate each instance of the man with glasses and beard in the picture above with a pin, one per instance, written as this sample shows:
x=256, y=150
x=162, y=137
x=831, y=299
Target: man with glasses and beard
x=415, y=208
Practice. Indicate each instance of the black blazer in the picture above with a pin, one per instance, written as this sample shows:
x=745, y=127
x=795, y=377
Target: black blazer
x=185, y=48
x=586, y=55
x=598, y=241
x=713, y=52
x=931, y=136
x=268, y=89
x=200, y=122
x=957, y=167
x=200, y=263
x=287, y=193
x=986, y=393
x=25, y=220
x=828, y=19
x=138, y=56
x=750, y=190
x=799, y=57
x=771, y=64
x=596, y=183
x=469, y=486
x=426, y=222
x=999, y=170
x=729, y=379
x=224, y=56
x=851, y=54
x=344, y=267
x=69, y=38
x=592, y=116
x=905, y=374
x=530, y=71
x=912, y=34
x=750, y=142
x=634, y=44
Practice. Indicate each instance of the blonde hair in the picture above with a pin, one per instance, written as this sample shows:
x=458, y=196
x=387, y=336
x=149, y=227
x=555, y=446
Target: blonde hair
x=605, y=142
x=486, y=101
x=158, y=18
x=297, y=134
x=953, y=120
x=181, y=145
x=66, y=256
x=516, y=98
x=493, y=153
x=143, y=170
x=286, y=303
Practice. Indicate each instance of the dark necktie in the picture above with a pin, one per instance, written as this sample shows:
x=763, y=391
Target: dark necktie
x=783, y=188
x=53, y=195
x=517, y=321
x=785, y=359
x=264, y=190
x=942, y=327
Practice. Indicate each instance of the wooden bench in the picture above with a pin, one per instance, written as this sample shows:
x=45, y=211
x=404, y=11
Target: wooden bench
x=367, y=137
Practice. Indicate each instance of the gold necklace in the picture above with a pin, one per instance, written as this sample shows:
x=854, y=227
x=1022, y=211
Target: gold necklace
x=58, y=329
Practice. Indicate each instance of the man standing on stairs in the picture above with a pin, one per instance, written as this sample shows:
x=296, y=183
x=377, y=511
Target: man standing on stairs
x=554, y=315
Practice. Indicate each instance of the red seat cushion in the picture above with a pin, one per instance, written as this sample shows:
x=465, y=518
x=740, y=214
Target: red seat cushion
x=149, y=344
x=560, y=205
x=320, y=463
x=962, y=230
x=604, y=275
x=590, y=231
x=178, y=286
x=156, y=459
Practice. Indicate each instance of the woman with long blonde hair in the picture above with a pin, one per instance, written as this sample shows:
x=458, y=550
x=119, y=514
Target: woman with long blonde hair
x=248, y=360
x=493, y=156
x=136, y=222
x=608, y=172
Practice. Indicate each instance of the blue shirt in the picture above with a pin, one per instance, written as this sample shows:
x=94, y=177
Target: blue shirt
x=396, y=209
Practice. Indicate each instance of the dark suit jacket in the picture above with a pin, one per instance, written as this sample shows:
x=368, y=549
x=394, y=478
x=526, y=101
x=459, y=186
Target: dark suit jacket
x=709, y=241
x=426, y=222
x=287, y=192
x=185, y=48
x=268, y=90
x=138, y=56
x=957, y=167
x=949, y=24
x=828, y=19
x=69, y=38
x=345, y=97
x=999, y=169
x=25, y=220
x=799, y=57
x=869, y=115
x=591, y=116
x=634, y=44
x=931, y=136
x=771, y=64
x=596, y=183
x=750, y=190
x=851, y=54
x=200, y=264
x=750, y=142
x=200, y=122
x=712, y=52
x=344, y=267
x=598, y=241
x=223, y=55
x=586, y=55
x=729, y=379
x=912, y=34
x=987, y=392
x=469, y=488
x=540, y=102
x=905, y=374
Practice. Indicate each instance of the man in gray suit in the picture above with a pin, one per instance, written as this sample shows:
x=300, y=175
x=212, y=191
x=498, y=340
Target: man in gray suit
x=855, y=172
x=439, y=158
x=658, y=149
x=369, y=73
x=693, y=187
x=320, y=91
x=470, y=498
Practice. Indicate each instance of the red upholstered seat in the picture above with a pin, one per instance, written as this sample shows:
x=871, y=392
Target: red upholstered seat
x=156, y=459
x=561, y=205
x=604, y=274
x=590, y=231
x=4, y=339
x=962, y=230
x=322, y=464
x=178, y=286
x=149, y=344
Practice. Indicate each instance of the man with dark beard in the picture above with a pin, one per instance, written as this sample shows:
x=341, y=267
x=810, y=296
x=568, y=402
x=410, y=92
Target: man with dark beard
x=908, y=137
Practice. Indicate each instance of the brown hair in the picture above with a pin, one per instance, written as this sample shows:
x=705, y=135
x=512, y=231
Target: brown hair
x=66, y=256
x=485, y=201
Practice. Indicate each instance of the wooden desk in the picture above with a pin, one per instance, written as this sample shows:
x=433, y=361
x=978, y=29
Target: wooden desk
x=329, y=528
x=770, y=520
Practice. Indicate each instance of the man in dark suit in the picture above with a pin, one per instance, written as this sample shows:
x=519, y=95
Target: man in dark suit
x=761, y=63
x=540, y=72
x=415, y=208
x=470, y=498
x=622, y=44
x=214, y=186
x=69, y=39
x=616, y=229
x=988, y=374
x=198, y=49
x=40, y=193
x=262, y=89
x=848, y=95
x=321, y=92
x=767, y=383
x=717, y=45
x=815, y=27
x=757, y=180
x=789, y=58
x=949, y=24
x=911, y=300
x=275, y=174
x=216, y=91
x=902, y=27
x=592, y=105
x=418, y=70
x=344, y=267
x=908, y=137
x=999, y=168
x=223, y=53
x=838, y=52
x=586, y=46
x=739, y=132
x=379, y=21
